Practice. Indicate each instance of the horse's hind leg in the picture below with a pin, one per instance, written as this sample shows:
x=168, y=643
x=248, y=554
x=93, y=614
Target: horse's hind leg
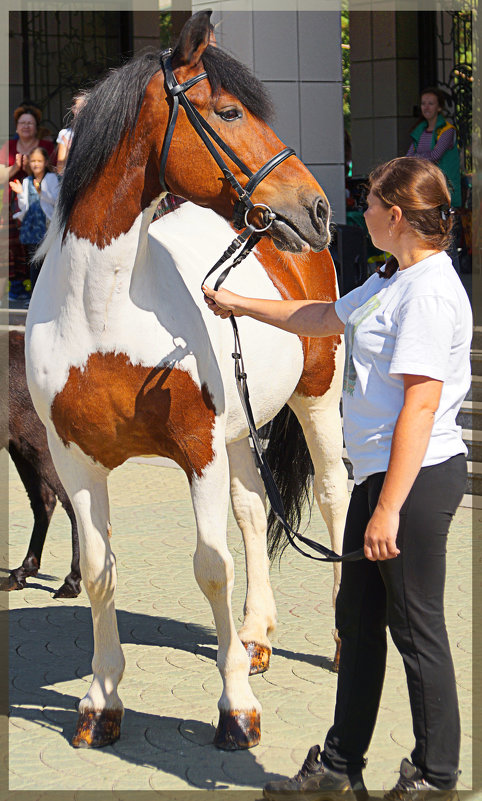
x=71, y=586
x=239, y=710
x=100, y=710
x=321, y=423
x=42, y=501
x=247, y=496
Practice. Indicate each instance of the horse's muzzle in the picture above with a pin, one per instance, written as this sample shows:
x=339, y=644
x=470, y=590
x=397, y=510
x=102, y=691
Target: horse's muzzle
x=303, y=227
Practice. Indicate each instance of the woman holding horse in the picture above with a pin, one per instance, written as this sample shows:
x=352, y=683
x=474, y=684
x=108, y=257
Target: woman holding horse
x=407, y=369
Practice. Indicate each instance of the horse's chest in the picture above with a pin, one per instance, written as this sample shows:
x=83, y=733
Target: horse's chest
x=114, y=410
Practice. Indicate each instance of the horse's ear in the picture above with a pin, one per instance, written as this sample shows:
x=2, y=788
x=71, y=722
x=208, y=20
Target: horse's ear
x=194, y=39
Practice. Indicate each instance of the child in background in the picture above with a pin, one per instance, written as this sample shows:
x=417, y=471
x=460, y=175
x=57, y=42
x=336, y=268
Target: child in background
x=36, y=200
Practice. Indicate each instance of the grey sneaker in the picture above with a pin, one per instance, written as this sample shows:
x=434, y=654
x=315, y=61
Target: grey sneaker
x=314, y=782
x=411, y=786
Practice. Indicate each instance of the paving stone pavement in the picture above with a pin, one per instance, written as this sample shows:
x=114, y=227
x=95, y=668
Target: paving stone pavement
x=171, y=685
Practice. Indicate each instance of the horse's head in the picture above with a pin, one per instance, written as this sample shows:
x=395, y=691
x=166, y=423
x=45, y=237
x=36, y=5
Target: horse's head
x=122, y=142
x=235, y=105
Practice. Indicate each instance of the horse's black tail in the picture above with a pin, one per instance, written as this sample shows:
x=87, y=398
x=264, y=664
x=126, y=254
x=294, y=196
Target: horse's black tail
x=290, y=462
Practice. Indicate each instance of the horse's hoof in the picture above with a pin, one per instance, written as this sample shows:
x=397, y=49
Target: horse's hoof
x=237, y=730
x=9, y=583
x=95, y=729
x=68, y=590
x=259, y=656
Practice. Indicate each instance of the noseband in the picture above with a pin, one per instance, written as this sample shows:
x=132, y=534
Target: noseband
x=244, y=204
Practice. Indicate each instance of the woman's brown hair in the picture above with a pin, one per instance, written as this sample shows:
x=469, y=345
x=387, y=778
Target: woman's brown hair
x=420, y=190
x=26, y=109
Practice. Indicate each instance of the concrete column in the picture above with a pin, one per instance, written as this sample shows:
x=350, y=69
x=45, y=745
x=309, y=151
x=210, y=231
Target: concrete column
x=384, y=85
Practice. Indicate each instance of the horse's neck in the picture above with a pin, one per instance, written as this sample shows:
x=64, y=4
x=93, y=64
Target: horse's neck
x=299, y=276
x=110, y=207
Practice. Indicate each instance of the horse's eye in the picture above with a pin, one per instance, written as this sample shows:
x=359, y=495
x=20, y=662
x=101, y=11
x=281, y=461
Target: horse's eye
x=229, y=114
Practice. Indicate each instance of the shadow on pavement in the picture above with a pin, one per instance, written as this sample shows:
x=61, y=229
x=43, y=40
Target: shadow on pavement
x=53, y=645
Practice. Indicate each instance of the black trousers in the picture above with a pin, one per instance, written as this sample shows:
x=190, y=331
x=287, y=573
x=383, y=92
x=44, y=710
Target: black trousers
x=405, y=593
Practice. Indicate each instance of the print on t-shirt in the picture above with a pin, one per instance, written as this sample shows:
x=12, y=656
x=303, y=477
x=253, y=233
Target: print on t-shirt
x=354, y=320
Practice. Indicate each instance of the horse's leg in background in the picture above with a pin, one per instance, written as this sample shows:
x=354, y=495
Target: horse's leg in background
x=43, y=501
x=248, y=500
x=71, y=586
x=321, y=423
x=239, y=710
x=100, y=710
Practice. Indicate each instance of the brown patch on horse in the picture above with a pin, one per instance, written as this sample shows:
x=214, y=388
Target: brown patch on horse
x=113, y=410
x=306, y=276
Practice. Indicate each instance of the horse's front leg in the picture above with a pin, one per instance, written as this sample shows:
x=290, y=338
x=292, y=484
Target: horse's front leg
x=247, y=496
x=239, y=710
x=321, y=423
x=100, y=710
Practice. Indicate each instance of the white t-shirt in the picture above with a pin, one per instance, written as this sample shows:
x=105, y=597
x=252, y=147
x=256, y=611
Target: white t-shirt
x=418, y=322
x=65, y=136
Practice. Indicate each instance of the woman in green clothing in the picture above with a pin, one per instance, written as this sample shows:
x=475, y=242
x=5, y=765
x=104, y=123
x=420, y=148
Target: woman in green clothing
x=435, y=139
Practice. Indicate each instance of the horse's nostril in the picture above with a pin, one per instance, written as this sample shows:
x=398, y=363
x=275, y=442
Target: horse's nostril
x=321, y=209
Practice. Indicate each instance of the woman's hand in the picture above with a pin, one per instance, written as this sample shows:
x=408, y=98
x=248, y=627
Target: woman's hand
x=381, y=535
x=16, y=186
x=21, y=161
x=222, y=302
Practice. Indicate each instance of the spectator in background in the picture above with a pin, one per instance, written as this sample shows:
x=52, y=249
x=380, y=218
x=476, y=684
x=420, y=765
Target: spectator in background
x=435, y=139
x=43, y=130
x=36, y=195
x=14, y=160
x=64, y=139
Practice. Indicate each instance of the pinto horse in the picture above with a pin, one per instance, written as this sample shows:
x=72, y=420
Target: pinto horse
x=124, y=359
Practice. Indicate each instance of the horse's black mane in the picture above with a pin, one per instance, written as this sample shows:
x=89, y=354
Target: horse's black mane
x=113, y=107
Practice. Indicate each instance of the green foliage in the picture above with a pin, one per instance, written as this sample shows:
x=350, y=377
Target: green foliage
x=164, y=28
x=345, y=53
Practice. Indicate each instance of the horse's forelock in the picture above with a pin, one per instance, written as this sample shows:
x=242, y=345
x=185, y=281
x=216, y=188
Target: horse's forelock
x=224, y=71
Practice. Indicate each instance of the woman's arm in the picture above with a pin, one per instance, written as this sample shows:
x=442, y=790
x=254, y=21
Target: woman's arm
x=409, y=444
x=311, y=318
x=62, y=152
x=445, y=141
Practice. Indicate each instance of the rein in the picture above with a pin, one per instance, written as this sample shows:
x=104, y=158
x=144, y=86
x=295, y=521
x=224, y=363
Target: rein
x=246, y=240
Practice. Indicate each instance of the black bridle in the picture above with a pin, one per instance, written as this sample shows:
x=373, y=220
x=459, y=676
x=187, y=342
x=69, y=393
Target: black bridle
x=244, y=204
x=247, y=240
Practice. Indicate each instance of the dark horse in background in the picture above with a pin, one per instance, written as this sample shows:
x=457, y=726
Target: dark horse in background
x=24, y=435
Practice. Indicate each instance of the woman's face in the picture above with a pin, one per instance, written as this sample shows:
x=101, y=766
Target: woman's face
x=37, y=163
x=26, y=126
x=430, y=107
x=377, y=218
